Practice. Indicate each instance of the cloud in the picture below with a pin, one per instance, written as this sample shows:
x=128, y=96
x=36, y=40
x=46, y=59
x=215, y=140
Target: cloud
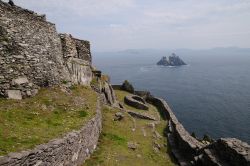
x=122, y=24
x=83, y=8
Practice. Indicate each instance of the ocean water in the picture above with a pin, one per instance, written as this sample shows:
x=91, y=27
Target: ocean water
x=211, y=95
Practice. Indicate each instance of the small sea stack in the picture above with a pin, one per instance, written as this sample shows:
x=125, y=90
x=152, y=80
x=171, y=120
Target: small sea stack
x=172, y=60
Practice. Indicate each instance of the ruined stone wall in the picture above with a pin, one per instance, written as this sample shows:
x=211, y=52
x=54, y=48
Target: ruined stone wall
x=226, y=151
x=188, y=150
x=183, y=141
x=30, y=51
x=71, y=150
x=77, y=58
x=33, y=55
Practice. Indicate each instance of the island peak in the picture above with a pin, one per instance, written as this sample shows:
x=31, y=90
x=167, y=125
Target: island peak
x=172, y=60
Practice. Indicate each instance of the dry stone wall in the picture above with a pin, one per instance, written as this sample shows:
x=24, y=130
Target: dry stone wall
x=188, y=150
x=77, y=58
x=33, y=55
x=30, y=50
x=71, y=150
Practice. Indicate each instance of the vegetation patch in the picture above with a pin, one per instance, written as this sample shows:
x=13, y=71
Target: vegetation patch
x=48, y=115
x=115, y=138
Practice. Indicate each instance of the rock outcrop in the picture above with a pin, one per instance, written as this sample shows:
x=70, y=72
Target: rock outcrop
x=225, y=151
x=171, y=61
x=109, y=94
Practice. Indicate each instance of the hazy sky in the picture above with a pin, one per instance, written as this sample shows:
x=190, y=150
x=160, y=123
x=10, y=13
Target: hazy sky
x=160, y=24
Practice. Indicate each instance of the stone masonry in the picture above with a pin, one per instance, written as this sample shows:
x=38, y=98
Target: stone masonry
x=33, y=55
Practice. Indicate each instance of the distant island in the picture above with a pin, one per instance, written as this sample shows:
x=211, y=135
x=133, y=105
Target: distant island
x=172, y=60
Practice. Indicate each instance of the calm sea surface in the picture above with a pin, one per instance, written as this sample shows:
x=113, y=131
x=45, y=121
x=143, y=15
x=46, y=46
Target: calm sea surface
x=211, y=95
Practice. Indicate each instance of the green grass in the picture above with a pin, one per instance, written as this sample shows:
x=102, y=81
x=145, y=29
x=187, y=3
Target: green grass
x=50, y=114
x=113, y=149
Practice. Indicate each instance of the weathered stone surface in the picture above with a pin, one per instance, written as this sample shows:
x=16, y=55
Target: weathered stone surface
x=33, y=55
x=141, y=116
x=32, y=49
x=136, y=101
x=226, y=151
x=183, y=145
x=118, y=116
x=71, y=150
x=132, y=145
x=20, y=80
x=14, y=94
x=109, y=93
x=80, y=71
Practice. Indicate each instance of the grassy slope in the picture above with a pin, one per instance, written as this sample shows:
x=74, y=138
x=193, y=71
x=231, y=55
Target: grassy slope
x=48, y=115
x=113, y=148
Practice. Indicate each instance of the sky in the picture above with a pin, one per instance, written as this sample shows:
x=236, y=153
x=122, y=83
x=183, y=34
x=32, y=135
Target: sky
x=112, y=25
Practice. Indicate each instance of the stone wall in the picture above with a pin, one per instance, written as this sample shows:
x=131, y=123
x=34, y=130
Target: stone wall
x=184, y=146
x=77, y=58
x=33, y=55
x=71, y=150
x=30, y=50
x=225, y=151
x=189, y=151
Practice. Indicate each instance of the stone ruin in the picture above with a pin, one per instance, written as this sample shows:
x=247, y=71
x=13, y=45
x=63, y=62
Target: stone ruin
x=34, y=55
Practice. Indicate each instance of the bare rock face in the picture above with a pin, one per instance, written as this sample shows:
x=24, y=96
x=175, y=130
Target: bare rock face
x=226, y=151
x=109, y=94
x=14, y=94
x=171, y=61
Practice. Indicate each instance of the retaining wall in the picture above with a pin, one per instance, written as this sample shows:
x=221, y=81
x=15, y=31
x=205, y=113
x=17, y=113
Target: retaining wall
x=187, y=144
x=70, y=150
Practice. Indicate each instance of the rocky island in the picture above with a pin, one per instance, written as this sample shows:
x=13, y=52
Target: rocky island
x=172, y=60
x=57, y=109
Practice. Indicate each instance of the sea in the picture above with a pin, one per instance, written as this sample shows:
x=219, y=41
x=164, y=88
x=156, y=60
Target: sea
x=210, y=95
